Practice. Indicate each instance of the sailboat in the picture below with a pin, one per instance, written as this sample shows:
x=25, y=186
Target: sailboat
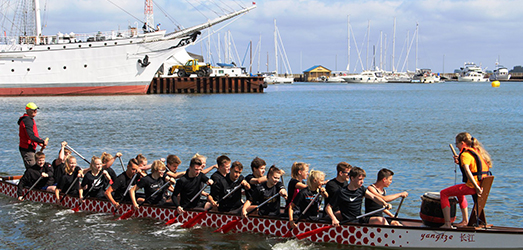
x=273, y=77
x=122, y=62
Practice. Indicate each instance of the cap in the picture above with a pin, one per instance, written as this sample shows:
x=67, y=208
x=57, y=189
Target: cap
x=31, y=105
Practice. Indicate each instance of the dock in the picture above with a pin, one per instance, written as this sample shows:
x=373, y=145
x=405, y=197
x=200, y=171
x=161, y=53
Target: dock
x=206, y=85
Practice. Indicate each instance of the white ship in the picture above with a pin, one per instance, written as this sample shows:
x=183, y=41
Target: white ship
x=470, y=72
x=425, y=76
x=121, y=62
x=500, y=73
x=368, y=76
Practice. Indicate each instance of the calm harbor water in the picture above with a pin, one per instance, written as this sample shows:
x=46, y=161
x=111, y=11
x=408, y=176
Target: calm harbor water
x=403, y=127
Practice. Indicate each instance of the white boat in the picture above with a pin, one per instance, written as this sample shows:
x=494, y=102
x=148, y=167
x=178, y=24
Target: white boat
x=425, y=76
x=398, y=77
x=470, y=72
x=122, y=62
x=276, y=79
x=500, y=73
x=228, y=69
x=368, y=76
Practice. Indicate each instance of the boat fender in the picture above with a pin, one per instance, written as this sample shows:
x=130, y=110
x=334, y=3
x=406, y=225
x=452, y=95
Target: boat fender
x=145, y=61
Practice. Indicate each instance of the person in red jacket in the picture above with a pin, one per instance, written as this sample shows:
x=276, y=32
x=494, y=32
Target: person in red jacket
x=29, y=138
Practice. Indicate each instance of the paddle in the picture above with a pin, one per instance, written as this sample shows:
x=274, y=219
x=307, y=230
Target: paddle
x=455, y=166
x=69, y=189
x=43, y=147
x=398, y=211
x=77, y=207
x=131, y=211
x=121, y=163
x=127, y=190
x=289, y=233
x=229, y=226
x=69, y=147
x=32, y=187
x=193, y=221
x=325, y=228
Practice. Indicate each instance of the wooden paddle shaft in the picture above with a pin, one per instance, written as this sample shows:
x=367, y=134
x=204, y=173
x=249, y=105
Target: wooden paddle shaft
x=83, y=158
x=453, y=151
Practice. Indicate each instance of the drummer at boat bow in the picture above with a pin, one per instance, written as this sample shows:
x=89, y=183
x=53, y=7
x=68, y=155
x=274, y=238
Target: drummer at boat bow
x=29, y=138
x=474, y=162
x=350, y=199
x=32, y=175
x=117, y=190
x=189, y=186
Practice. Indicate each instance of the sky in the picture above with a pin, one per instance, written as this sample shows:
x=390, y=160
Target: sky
x=315, y=32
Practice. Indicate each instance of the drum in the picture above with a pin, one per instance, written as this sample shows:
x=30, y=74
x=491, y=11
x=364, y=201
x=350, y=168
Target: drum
x=431, y=213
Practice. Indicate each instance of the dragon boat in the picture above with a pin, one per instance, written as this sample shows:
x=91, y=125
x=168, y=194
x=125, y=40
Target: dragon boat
x=413, y=234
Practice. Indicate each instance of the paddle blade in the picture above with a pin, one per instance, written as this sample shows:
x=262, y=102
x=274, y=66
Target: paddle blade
x=76, y=209
x=313, y=232
x=171, y=221
x=229, y=226
x=127, y=214
x=288, y=234
x=190, y=223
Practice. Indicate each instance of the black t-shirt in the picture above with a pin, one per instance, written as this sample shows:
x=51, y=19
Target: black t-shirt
x=262, y=193
x=150, y=185
x=293, y=191
x=69, y=181
x=58, y=170
x=332, y=187
x=32, y=174
x=349, y=202
x=303, y=199
x=187, y=188
x=99, y=184
x=218, y=186
x=233, y=201
x=111, y=173
x=120, y=186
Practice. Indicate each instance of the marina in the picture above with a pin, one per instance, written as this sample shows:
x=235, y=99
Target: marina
x=356, y=120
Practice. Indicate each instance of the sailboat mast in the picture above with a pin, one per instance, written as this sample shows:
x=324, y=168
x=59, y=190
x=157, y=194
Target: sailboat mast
x=368, y=41
x=393, y=44
x=348, y=42
x=275, y=48
x=417, y=41
x=38, y=24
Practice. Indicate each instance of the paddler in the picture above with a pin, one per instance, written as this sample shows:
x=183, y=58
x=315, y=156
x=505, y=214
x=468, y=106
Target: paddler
x=32, y=175
x=304, y=198
x=378, y=188
x=266, y=190
x=59, y=163
x=29, y=138
x=189, y=186
x=151, y=184
x=474, y=162
x=115, y=192
x=95, y=180
x=257, y=177
x=332, y=186
x=233, y=201
x=69, y=180
x=218, y=177
x=350, y=199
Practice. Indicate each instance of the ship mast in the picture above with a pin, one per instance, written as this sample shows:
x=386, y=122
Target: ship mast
x=38, y=25
x=149, y=16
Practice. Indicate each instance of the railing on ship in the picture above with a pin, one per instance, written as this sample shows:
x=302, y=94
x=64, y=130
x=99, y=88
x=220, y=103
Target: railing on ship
x=71, y=37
